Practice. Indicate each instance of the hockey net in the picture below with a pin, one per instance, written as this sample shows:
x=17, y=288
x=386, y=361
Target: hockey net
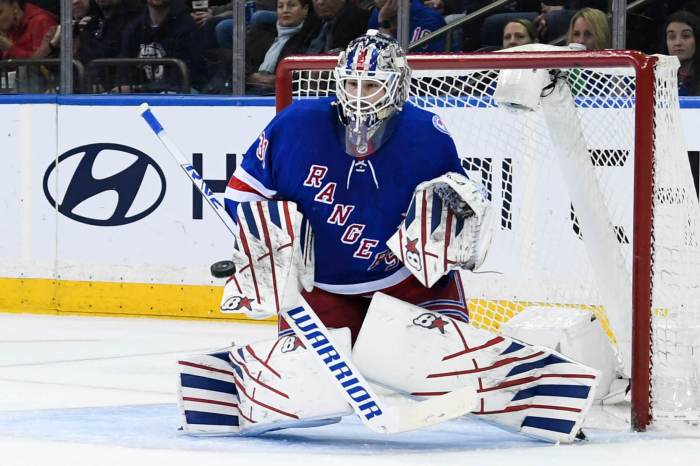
x=598, y=209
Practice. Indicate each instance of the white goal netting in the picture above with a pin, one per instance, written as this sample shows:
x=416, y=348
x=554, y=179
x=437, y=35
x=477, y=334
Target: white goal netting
x=563, y=179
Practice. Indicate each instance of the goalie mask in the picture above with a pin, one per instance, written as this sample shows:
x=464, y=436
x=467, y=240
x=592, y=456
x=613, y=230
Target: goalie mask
x=372, y=80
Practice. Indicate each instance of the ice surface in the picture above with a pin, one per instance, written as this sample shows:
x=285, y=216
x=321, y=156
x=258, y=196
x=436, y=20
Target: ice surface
x=100, y=392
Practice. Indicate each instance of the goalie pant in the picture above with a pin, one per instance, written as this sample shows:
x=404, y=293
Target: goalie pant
x=339, y=310
x=270, y=385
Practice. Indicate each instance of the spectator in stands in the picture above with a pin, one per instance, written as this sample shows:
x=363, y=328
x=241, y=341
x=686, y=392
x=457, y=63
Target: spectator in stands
x=82, y=11
x=680, y=42
x=341, y=22
x=518, y=32
x=266, y=45
x=164, y=30
x=212, y=14
x=22, y=29
x=208, y=20
x=101, y=37
x=591, y=28
x=550, y=17
x=52, y=6
x=555, y=15
x=446, y=7
x=422, y=21
x=451, y=10
x=265, y=13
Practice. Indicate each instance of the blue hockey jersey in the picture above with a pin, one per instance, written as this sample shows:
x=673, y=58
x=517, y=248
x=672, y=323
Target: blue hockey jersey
x=354, y=204
x=422, y=21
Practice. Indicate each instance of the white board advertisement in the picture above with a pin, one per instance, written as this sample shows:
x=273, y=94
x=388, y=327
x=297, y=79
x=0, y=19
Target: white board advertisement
x=97, y=197
x=92, y=195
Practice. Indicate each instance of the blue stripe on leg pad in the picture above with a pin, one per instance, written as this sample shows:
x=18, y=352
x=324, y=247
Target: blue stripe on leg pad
x=528, y=366
x=512, y=348
x=566, y=391
x=212, y=419
x=206, y=383
x=547, y=423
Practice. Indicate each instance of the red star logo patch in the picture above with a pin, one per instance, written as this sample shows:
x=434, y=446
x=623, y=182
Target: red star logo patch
x=439, y=324
x=298, y=343
x=411, y=245
x=245, y=302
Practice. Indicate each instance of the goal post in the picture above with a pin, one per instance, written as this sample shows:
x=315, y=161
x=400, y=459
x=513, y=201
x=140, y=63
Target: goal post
x=549, y=250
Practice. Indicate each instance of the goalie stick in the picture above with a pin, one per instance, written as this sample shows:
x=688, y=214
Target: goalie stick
x=375, y=412
x=197, y=179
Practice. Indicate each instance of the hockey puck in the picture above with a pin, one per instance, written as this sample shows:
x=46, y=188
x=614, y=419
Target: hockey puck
x=223, y=269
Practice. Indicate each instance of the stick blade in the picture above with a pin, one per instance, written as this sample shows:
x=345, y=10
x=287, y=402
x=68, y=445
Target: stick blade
x=436, y=410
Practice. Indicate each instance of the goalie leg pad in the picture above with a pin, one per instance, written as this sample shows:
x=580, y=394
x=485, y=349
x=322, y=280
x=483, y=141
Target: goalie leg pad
x=257, y=388
x=207, y=396
x=280, y=385
x=525, y=388
x=575, y=333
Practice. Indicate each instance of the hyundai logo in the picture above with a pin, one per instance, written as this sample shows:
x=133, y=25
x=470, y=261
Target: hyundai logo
x=105, y=184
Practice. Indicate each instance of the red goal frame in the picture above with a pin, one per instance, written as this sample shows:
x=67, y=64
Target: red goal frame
x=643, y=66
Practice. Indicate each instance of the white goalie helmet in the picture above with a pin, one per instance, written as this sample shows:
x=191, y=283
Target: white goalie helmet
x=378, y=64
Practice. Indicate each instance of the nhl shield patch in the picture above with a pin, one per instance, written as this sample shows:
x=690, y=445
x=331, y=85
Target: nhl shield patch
x=440, y=125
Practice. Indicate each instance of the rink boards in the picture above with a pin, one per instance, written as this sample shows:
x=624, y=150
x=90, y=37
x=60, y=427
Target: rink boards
x=96, y=216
